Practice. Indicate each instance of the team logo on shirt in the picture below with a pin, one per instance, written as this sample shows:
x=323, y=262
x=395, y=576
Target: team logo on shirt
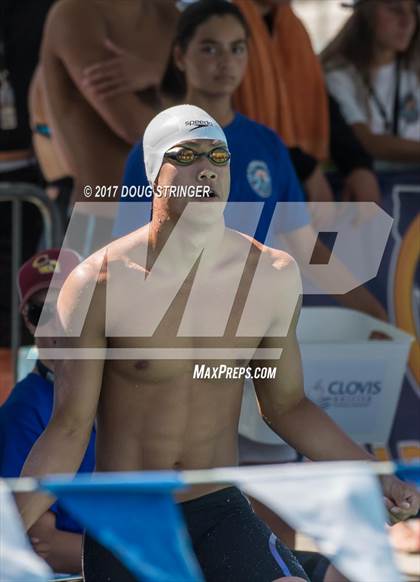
x=259, y=178
x=409, y=109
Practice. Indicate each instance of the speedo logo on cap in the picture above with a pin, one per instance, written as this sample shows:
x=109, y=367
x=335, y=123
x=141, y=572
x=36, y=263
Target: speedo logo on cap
x=197, y=123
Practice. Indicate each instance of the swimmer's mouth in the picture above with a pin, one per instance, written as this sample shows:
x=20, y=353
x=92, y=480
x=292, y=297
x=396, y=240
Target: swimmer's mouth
x=212, y=194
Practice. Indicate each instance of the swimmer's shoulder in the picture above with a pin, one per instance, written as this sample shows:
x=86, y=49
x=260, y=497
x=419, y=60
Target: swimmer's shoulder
x=95, y=271
x=126, y=252
x=91, y=271
x=280, y=270
x=83, y=295
x=129, y=245
x=276, y=260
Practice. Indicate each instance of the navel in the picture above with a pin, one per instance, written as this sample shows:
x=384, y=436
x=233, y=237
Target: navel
x=142, y=364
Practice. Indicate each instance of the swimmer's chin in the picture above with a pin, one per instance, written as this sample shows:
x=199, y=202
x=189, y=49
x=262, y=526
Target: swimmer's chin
x=210, y=196
x=207, y=196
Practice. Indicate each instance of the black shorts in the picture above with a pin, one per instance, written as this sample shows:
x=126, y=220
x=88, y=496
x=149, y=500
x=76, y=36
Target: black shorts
x=231, y=544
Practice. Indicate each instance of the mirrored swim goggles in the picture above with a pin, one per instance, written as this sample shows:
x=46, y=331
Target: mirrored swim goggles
x=185, y=156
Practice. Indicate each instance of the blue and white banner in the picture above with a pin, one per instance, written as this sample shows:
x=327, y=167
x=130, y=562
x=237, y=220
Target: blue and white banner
x=134, y=516
x=339, y=505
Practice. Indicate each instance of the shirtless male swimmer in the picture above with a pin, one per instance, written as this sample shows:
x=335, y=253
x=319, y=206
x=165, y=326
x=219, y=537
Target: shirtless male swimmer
x=151, y=413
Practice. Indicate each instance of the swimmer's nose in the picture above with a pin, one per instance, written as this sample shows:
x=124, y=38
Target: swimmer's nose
x=207, y=175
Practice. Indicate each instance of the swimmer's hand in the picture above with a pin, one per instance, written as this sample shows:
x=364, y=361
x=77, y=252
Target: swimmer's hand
x=123, y=72
x=41, y=547
x=41, y=534
x=401, y=499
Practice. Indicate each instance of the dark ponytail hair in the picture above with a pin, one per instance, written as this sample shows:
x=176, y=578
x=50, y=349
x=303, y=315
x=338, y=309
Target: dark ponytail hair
x=173, y=83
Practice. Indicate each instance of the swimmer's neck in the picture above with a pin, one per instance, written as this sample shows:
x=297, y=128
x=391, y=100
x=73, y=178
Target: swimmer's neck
x=219, y=107
x=186, y=244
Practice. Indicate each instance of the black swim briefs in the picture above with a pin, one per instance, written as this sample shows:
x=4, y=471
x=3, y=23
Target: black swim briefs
x=230, y=541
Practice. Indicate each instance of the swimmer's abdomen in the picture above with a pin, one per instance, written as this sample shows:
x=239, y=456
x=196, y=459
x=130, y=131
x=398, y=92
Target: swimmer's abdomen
x=176, y=423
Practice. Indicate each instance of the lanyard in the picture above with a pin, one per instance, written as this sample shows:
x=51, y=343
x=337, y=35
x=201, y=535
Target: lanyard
x=391, y=125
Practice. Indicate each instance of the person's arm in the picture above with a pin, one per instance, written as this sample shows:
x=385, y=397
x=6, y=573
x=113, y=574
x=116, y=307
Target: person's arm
x=122, y=72
x=388, y=147
x=303, y=163
x=21, y=426
x=126, y=114
x=62, y=550
x=352, y=160
x=318, y=190
x=301, y=245
x=300, y=238
x=61, y=447
x=346, y=151
x=343, y=86
x=361, y=185
x=299, y=421
x=315, y=184
x=282, y=400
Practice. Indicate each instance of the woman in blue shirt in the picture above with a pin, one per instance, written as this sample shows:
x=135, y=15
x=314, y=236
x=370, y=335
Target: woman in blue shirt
x=207, y=64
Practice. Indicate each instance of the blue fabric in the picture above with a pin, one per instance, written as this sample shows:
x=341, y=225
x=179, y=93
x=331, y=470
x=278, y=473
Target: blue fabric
x=23, y=417
x=261, y=171
x=136, y=518
x=409, y=473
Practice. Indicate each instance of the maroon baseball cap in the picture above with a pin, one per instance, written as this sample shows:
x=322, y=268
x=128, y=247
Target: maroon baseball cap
x=37, y=272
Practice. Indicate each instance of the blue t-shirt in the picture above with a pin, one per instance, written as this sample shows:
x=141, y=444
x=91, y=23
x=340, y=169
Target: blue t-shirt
x=23, y=417
x=261, y=171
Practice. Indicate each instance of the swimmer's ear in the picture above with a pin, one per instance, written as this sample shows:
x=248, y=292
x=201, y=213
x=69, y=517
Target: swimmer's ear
x=179, y=58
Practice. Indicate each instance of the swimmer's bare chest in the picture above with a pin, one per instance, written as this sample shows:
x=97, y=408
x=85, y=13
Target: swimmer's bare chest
x=156, y=411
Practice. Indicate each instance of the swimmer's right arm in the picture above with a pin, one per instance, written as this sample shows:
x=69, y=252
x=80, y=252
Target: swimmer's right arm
x=77, y=387
x=62, y=550
x=125, y=114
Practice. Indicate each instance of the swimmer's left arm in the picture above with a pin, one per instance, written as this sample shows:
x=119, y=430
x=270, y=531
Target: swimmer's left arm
x=294, y=417
x=282, y=400
x=306, y=427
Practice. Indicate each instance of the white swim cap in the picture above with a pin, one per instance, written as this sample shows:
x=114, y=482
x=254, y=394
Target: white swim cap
x=173, y=126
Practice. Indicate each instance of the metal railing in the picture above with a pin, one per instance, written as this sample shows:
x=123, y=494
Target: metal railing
x=17, y=193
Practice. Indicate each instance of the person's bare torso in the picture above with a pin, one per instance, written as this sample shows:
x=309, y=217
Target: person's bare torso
x=93, y=151
x=153, y=414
